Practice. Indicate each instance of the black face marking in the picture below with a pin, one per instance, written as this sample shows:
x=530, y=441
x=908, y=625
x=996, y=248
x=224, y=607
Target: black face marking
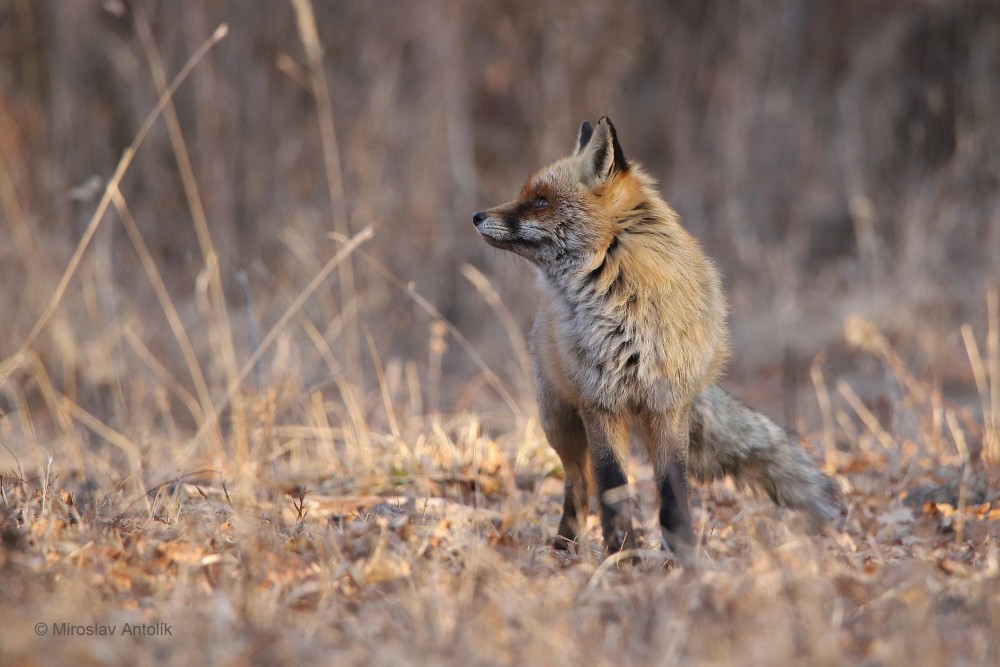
x=513, y=222
x=524, y=209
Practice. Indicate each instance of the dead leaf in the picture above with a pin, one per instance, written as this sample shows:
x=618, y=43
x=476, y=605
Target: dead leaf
x=950, y=566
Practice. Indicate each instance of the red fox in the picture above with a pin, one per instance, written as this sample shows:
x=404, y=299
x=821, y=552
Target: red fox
x=630, y=337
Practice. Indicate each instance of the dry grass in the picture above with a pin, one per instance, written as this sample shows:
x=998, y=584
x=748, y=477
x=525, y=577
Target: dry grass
x=429, y=547
x=332, y=457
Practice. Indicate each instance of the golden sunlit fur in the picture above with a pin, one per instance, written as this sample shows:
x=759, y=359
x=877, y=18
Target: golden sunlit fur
x=630, y=337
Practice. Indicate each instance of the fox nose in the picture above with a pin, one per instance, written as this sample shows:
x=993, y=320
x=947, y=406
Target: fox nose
x=479, y=217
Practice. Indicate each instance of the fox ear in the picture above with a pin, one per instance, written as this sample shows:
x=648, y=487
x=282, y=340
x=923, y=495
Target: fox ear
x=603, y=153
x=586, y=131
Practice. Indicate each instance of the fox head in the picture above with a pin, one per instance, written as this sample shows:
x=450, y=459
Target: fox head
x=568, y=211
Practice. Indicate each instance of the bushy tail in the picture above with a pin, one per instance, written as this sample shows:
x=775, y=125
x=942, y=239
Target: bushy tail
x=728, y=438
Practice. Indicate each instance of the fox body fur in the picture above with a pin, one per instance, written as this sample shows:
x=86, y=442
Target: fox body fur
x=630, y=338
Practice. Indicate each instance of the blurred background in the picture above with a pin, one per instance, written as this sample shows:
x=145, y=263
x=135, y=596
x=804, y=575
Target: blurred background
x=834, y=157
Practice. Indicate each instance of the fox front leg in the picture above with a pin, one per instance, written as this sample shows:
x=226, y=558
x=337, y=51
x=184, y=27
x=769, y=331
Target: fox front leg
x=607, y=436
x=570, y=442
x=575, y=501
x=565, y=432
x=666, y=441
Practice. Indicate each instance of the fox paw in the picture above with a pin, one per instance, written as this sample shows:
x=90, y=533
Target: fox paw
x=563, y=543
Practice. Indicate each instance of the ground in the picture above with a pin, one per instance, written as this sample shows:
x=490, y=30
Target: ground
x=436, y=553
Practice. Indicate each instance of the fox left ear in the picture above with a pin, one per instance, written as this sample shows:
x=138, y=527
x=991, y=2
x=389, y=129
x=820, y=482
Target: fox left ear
x=603, y=152
x=586, y=131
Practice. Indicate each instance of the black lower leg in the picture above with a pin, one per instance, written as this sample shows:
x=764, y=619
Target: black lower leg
x=616, y=514
x=573, y=517
x=675, y=516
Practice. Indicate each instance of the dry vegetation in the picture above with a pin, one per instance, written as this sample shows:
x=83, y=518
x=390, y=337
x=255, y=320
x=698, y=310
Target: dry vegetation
x=264, y=391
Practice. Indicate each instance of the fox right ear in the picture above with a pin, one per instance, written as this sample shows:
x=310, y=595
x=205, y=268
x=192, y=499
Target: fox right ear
x=602, y=154
x=586, y=132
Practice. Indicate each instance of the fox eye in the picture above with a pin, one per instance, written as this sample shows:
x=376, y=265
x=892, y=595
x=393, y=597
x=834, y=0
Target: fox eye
x=539, y=202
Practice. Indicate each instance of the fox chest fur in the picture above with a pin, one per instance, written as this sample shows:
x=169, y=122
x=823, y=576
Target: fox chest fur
x=639, y=326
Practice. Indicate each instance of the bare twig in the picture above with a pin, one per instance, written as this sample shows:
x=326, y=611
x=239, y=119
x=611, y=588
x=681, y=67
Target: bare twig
x=209, y=254
x=8, y=365
x=306, y=21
